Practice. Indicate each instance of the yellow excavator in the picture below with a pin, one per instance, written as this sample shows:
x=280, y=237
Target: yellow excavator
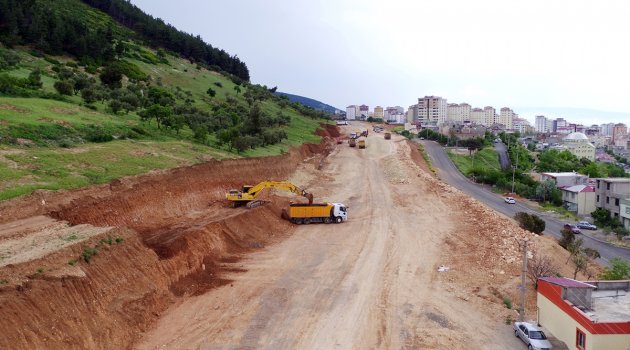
x=249, y=194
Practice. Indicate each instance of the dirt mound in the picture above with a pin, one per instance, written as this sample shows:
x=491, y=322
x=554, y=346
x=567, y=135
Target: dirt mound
x=172, y=237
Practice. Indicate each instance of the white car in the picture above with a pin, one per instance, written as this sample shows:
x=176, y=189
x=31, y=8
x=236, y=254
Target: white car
x=509, y=200
x=533, y=336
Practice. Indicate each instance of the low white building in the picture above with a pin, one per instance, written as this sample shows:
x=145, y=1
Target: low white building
x=565, y=179
x=579, y=199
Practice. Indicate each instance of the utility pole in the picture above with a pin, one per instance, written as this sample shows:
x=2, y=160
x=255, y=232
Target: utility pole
x=521, y=310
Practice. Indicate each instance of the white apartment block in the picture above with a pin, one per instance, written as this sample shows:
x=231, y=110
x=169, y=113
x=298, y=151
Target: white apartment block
x=478, y=116
x=364, y=111
x=490, y=116
x=506, y=117
x=607, y=129
x=432, y=110
x=351, y=112
x=521, y=125
x=542, y=124
x=458, y=112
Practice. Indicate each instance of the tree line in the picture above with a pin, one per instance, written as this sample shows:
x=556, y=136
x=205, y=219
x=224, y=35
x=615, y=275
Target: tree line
x=161, y=34
x=60, y=26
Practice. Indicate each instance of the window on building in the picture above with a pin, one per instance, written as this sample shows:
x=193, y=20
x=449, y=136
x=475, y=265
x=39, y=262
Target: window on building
x=597, y=183
x=597, y=200
x=617, y=201
x=607, y=200
x=580, y=339
x=608, y=186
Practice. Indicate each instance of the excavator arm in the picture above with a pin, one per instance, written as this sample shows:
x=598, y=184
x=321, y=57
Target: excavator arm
x=249, y=194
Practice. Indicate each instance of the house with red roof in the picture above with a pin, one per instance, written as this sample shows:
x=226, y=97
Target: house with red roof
x=585, y=315
x=579, y=199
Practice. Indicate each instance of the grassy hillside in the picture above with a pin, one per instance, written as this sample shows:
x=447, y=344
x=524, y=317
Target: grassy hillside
x=66, y=143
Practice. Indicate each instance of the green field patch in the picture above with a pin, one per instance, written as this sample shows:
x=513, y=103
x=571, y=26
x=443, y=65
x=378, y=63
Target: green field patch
x=486, y=158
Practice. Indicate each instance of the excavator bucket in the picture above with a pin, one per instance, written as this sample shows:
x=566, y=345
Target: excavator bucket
x=309, y=196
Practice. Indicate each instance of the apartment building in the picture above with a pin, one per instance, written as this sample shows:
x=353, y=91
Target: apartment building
x=432, y=110
x=458, y=113
x=522, y=125
x=619, y=131
x=490, y=116
x=506, y=117
x=379, y=112
x=541, y=124
x=609, y=192
x=351, y=112
x=364, y=112
x=606, y=129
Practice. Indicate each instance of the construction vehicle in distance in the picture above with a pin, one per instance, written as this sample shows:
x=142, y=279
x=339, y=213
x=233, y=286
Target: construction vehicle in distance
x=309, y=213
x=352, y=142
x=361, y=143
x=249, y=194
x=388, y=135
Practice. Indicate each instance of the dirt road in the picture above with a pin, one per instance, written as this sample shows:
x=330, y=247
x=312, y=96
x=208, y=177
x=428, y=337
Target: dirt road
x=368, y=283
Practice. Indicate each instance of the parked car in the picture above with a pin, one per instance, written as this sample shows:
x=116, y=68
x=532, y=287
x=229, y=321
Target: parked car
x=509, y=200
x=533, y=336
x=572, y=228
x=585, y=225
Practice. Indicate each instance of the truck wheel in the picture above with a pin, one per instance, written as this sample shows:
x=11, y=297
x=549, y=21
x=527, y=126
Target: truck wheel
x=327, y=220
x=338, y=219
x=307, y=221
x=299, y=221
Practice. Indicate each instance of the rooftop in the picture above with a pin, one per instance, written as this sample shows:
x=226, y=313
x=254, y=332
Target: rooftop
x=576, y=136
x=615, y=179
x=567, y=282
x=579, y=188
x=568, y=173
x=610, y=306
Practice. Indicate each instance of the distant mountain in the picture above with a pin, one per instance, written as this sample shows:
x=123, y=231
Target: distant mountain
x=310, y=102
x=574, y=115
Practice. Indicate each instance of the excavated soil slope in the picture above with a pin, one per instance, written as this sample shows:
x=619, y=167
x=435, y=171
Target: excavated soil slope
x=119, y=254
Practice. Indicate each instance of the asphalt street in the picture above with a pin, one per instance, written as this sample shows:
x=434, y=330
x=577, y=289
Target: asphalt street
x=449, y=173
x=504, y=159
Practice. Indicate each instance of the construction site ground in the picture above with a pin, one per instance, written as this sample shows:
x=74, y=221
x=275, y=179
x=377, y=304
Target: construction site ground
x=162, y=262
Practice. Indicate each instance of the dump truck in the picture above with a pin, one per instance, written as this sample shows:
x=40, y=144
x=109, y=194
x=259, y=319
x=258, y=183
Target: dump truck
x=249, y=194
x=388, y=135
x=310, y=213
x=361, y=143
x=352, y=142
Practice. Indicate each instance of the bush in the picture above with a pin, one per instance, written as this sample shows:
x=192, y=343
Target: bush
x=507, y=302
x=618, y=270
x=97, y=134
x=64, y=87
x=218, y=83
x=88, y=253
x=530, y=222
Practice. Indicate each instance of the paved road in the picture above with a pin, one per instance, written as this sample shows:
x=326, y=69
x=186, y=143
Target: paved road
x=449, y=173
x=504, y=159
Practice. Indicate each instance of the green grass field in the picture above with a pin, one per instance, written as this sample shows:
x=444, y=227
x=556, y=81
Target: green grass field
x=487, y=158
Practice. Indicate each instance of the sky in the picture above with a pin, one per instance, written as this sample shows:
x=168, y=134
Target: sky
x=535, y=54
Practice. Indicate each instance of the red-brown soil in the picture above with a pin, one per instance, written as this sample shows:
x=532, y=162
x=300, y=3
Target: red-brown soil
x=171, y=235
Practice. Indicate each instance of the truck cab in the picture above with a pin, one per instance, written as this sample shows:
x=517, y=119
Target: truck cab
x=340, y=211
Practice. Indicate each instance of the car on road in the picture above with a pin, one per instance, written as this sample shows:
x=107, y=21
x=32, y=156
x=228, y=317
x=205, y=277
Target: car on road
x=585, y=225
x=509, y=200
x=533, y=336
x=572, y=228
